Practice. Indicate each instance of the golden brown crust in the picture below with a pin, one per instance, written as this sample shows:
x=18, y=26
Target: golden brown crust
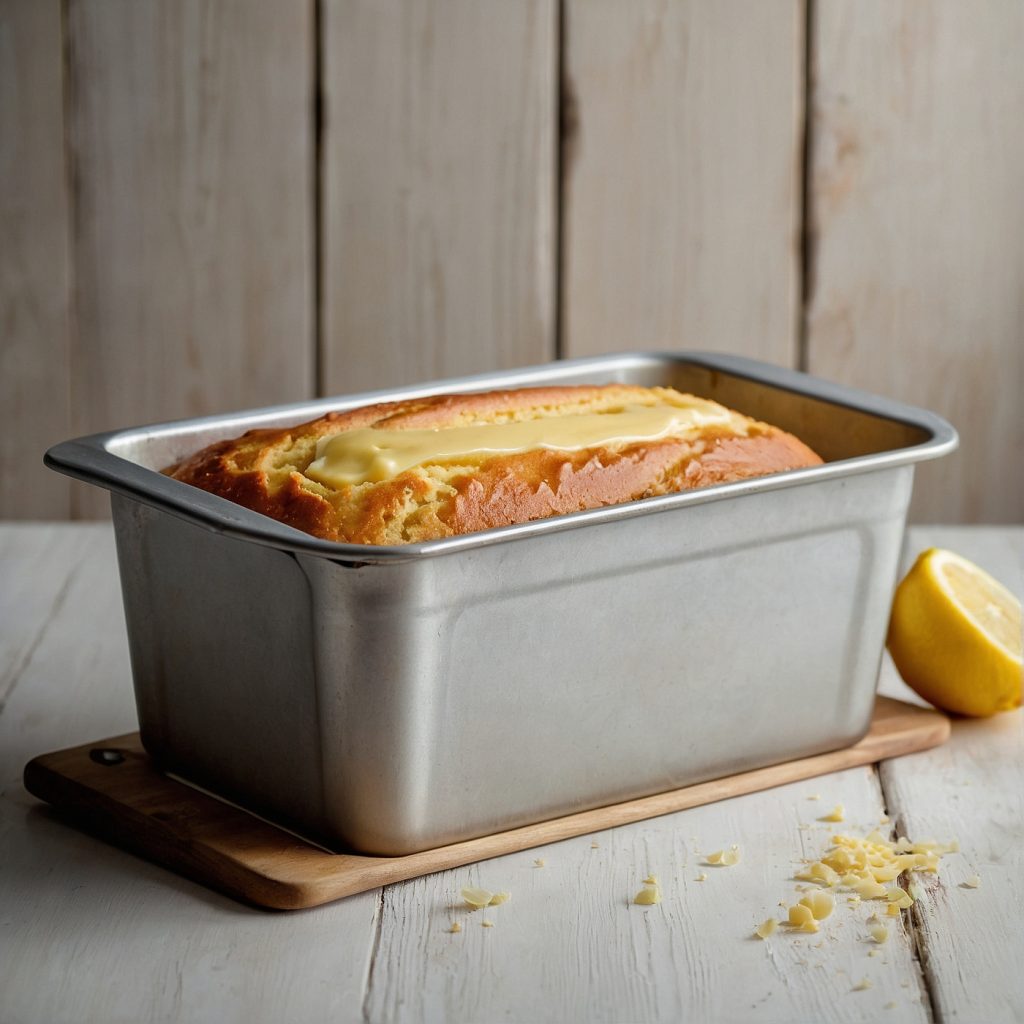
x=265, y=469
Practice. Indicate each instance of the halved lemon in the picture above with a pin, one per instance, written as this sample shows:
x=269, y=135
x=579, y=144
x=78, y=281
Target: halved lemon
x=955, y=636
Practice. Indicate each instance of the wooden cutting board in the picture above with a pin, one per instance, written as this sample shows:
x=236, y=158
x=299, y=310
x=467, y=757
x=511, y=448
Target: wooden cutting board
x=112, y=789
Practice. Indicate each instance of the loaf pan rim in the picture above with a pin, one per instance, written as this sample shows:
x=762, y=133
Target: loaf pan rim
x=91, y=458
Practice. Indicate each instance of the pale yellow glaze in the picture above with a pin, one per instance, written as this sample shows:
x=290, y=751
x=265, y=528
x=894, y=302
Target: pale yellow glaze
x=371, y=455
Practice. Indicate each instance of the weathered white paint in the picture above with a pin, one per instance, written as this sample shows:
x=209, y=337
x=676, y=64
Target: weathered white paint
x=39, y=565
x=92, y=933
x=571, y=945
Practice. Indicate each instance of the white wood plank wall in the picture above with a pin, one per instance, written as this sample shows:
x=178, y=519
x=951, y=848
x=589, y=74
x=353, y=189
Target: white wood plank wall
x=682, y=188
x=211, y=205
x=438, y=187
x=917, y=212
x=193, y=227
x=34, y=283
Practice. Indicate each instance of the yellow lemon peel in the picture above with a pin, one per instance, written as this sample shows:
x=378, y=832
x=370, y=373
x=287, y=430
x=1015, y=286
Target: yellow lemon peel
x=955, y=636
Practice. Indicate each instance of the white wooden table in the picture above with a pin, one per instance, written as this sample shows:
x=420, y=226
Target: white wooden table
x=88, y=933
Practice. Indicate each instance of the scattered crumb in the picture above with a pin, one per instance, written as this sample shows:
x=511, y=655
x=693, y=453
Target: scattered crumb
x=486, y=924
x=766, y=928
x=455, y=928
x=702, y=877
x=970, y=883
x=867, y=868
x=539, y=862
x=837, y=814
x=648, y=896
x=595, y=846
x=820, y=904
x=724, y=858
x=868, y=887
x=476, y=898
x=890, y=1005
x=651, y=880
x=814, y=796
x=801, y=916
x=863, y=985
x=900, y=897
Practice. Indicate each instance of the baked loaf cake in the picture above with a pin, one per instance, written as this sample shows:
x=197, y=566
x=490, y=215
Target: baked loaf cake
x=417, y=470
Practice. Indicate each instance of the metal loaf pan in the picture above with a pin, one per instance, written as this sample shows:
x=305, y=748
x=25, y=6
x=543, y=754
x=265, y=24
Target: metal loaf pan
x=392, y=699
